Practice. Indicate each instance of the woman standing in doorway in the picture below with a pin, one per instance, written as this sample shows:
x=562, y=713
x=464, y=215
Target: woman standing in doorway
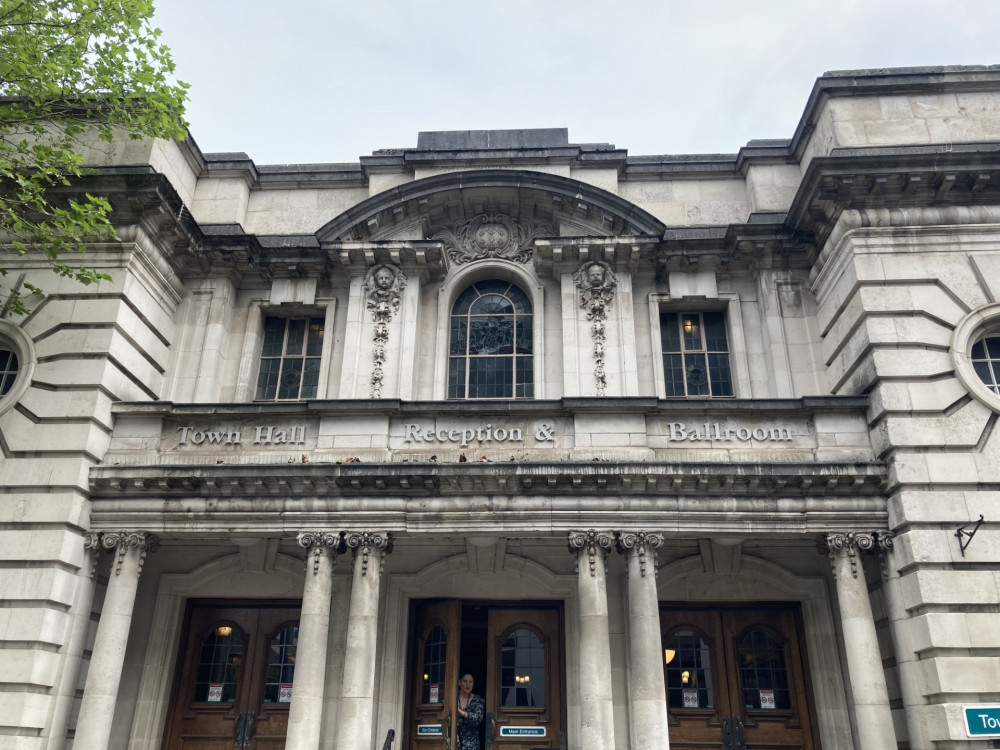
x=471, y=708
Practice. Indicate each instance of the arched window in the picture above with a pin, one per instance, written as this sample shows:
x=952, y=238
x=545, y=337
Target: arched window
x=522, y=670
x=220, y=665
x=688, y=671
x=763, y=672
x=490, y=354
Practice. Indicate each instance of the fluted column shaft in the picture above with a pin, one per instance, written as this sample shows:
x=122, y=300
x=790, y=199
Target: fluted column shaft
x=305, y=714
x=597, y=731
x=358, y=692
x=864, y=662
x=100, y=693
x=647, y=690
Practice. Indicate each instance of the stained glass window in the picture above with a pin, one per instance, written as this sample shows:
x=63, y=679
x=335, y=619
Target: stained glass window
x=290, y=359
x=490, y=350
x=695, y=354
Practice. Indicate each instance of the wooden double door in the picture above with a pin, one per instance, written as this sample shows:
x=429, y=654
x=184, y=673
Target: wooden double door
x=514, y=653
x=737, y=678
x=233, y=684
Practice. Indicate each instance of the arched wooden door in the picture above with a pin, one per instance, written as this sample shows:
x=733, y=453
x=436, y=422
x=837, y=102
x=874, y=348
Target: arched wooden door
x=520, y=675
x=234, y=680
x=737, y=678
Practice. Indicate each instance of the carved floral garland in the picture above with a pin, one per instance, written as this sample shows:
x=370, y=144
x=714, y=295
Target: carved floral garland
x=383, y=287
x=597, y=283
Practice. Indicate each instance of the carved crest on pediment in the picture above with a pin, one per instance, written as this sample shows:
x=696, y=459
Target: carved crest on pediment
x=491, y=236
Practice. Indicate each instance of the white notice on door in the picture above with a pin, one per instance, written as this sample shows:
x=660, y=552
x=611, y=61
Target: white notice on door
x=690, y=698
x=215, y=693
x=767, y=699
x=285, y=693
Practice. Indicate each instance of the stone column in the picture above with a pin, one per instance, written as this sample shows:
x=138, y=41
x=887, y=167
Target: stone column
x=596, y=703
x=864, y=662
x=100, y=693
x=305, y=714
x=82, y=606
x=647, y=690
x=358, y=692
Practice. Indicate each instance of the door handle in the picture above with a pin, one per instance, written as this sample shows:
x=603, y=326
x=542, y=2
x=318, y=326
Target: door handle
x=490, y=730
x=447, y=733
x=248, y=728
x=738, y=733
x=727, y=731
x=243, y=729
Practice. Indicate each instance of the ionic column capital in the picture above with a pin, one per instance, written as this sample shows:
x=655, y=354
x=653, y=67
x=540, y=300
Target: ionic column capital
x=849, y=543
x=591, y=541
x=122, y=542
x=364, y=543
x=319, y=543
x=643, y=544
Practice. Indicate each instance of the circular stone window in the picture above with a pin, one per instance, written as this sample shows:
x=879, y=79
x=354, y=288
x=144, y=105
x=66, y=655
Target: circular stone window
x=975, y=352
x=16, y=361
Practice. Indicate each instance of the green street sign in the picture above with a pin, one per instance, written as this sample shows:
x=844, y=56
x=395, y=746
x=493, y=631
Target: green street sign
x=522, y=731
x=429, y=730
x=982, y=721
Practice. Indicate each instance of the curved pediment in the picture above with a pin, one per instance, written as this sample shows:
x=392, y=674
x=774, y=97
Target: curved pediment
x=520, y=203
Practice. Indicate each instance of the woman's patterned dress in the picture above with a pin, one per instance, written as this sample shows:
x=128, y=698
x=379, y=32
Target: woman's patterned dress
x=468, y=726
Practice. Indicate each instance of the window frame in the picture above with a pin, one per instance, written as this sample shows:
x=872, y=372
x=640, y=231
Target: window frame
x=13, y=338
x=253, y=344
x=501, y=270
x=727, y=303
x=982, y=323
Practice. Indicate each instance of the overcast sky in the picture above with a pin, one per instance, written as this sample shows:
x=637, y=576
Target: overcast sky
x=295, y=81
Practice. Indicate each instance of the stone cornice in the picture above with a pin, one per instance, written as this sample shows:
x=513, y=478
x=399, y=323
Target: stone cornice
x=941, y=175
x=570, y=405
x=418, y=479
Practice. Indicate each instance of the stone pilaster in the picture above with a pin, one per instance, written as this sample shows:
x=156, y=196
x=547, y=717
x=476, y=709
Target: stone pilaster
x=305, y=715
x=591, y=548
x=100, y=694
x=358, y=692
x=647, y=690
x=864, y=662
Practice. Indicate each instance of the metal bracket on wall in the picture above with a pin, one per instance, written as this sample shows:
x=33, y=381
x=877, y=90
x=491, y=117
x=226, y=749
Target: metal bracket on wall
x=965, y=537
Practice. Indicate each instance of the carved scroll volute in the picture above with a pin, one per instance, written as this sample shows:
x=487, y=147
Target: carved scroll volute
x=645, y=544
x=383, y=288
x=320, y=543
x=591, y=543
x=121, y=542
x=853, y=542
x=365, y=543
x=597, y=283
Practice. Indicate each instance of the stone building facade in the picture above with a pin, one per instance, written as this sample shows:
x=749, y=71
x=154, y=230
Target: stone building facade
x=680, y=451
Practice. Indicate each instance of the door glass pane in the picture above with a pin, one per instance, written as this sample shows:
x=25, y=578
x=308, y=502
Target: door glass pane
x=763, y=673
x=281, y=666
x=689, y=671
x=522, y=670
x=219, y=665
x=435, y=656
